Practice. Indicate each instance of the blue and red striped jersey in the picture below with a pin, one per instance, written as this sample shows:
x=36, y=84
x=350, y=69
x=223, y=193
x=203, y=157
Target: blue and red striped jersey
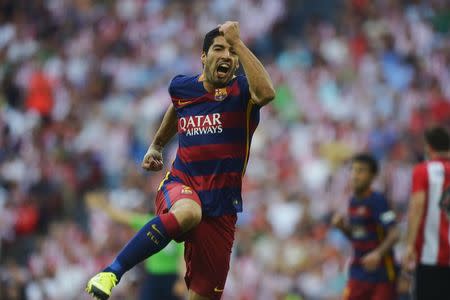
x=370, y=218
x=214, y=134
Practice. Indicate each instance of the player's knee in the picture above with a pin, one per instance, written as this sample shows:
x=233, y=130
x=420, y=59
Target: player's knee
x=188, y=213
x=193, y=216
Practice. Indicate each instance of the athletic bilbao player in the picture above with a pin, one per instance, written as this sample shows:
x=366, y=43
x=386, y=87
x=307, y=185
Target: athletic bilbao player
x=371, y=227
x=428, y=239
x=215, y=114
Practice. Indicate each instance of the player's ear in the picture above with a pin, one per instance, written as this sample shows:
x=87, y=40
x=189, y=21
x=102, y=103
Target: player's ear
x=203, y=58
x=428, y=151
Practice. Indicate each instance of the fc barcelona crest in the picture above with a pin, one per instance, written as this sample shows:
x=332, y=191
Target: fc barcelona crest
x=220, y=94
x=186, y=190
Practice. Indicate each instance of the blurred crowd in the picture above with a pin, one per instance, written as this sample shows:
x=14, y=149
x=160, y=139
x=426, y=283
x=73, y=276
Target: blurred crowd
x=84, y=87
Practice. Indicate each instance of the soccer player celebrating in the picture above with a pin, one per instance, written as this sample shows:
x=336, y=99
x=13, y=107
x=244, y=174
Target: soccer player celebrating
x=371, y=227
x=215, y=114
x=428, y=238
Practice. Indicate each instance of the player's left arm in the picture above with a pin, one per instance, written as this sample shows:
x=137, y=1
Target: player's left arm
x=372, y=260
x=392, y=237
x=260, y=84
x=385, y=219
x=415, y=213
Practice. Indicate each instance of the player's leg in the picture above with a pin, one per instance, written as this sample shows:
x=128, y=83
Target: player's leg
x=431, y=282
x=184, y=214
x=425, y=286
x=207, y=255
x=385, y=291
x=148, y=287
x=357, y=290
x=187, y=212
x=194, y=296
x=160, y=287
x=156, y=234
x=445, y=279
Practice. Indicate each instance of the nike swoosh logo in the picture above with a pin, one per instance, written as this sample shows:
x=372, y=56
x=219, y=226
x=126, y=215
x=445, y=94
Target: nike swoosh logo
x=217, y=290
x=157, y=230
x=182, y=103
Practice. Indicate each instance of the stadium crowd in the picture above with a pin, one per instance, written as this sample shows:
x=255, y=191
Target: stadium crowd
x=84, y=87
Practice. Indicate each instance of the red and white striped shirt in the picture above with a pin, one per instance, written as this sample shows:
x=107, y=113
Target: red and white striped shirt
x=433, y=238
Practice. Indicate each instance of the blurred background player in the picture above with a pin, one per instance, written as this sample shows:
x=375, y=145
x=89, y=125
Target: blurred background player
x=428, y=238
x=215, y=114
x=371, y=227
x=164, y=270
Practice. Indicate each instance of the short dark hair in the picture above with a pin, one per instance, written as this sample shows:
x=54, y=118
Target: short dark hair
x=438, y=139
x=367, y=159
x=209, y=39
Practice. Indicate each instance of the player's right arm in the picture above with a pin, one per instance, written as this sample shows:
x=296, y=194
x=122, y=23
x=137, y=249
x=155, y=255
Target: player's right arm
x=341, y=223
x=153, y=160
x=99, y=201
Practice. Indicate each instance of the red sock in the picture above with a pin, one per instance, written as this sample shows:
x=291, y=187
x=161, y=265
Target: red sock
x=171, y=225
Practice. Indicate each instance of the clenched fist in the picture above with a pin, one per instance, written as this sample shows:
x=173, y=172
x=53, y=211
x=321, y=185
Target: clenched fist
x=338, y=221
x=153, y=160
x=230, y=32
x=371, y=260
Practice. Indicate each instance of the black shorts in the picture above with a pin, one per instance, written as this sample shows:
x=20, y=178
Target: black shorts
x=432, y=282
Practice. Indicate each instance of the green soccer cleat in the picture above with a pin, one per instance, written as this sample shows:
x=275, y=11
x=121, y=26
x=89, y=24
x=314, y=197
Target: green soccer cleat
x=100, y=285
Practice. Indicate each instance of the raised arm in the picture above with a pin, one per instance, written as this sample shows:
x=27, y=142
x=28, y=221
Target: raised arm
x=153, y=160
x=261, y=87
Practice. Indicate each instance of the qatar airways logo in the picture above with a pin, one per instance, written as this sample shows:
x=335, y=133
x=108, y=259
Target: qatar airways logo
x=197, y=125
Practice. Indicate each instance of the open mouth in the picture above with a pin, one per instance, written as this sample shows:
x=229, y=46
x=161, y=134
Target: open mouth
x=223, y=69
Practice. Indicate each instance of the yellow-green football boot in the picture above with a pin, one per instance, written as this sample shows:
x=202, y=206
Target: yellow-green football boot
x=100, y=285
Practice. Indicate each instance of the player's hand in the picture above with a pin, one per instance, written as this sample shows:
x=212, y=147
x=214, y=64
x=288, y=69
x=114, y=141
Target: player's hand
x=409, y=259
x=95, y=200
x=153, y=160
x=338, y=221
x=371, y=260
x=179, y=288
x=404, y=282
x=230, y=32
